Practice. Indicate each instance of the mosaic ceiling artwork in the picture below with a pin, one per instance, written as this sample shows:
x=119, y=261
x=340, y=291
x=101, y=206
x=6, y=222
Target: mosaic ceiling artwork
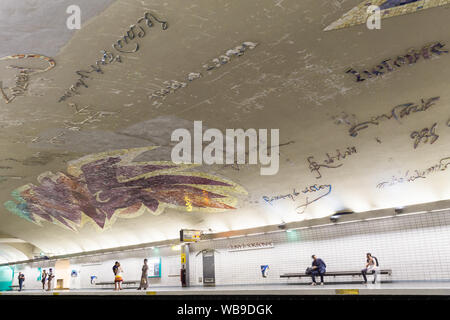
x=388, y=8
x=363, y=117
x=102, y=187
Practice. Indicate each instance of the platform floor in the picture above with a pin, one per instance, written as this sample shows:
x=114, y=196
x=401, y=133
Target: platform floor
x=394, y=288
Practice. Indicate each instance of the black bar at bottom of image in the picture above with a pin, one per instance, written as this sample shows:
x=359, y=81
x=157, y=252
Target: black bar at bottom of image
x=227, y=306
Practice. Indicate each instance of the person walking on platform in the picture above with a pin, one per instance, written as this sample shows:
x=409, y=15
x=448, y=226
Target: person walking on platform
x=43, y=278
x=50, y=277
x=371, y=267
x=144, y=276
x=318, y=269
x=21, y=279
x=117, y=270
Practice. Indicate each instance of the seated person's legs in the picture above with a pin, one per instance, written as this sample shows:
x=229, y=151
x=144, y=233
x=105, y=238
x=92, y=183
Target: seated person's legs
x=314, y=273
x=375, y=273
x=363, y=272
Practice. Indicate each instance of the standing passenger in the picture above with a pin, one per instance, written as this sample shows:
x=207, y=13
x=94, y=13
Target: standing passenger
x=43, y=278
x=21, y=279
x=117, y=269
x=50, y=277
x=144, y=276
x=318, y=268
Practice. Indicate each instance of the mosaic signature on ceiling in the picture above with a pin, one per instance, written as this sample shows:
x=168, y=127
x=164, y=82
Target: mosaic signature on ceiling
x=389, y=8
x=103, y=187
x=424, y=135
x=329, y=162
x=131, y=37
x=173, y=85
x=409, y=176
x=23, y=77
x=410, y=58
x=398, y=112
x=301, y=208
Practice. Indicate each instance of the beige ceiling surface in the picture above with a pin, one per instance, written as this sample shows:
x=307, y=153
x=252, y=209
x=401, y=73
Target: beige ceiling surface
x=294, y=80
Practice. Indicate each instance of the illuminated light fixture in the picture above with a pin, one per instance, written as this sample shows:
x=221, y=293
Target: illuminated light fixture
x=378, y=218
x=176, y=247
x=254, y=234
x=282, y=226
x=353, y=221
x=323, y=225
x=232, y=237
x=335, y=217
x=274, y=231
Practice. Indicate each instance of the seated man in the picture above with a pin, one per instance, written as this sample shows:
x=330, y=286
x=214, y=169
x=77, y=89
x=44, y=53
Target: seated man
x=371, y=267
x=318, y=268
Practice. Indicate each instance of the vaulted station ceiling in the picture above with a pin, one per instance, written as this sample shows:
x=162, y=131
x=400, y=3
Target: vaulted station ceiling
x=78, y=170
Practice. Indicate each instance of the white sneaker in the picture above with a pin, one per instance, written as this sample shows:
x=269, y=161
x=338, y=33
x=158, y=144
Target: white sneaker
x=321, y=283
x=313, y=284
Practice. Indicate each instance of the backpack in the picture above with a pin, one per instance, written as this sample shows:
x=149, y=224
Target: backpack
x=376, y=261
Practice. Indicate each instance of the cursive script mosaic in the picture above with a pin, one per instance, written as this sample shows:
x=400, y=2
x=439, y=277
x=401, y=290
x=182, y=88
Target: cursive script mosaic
x=329, y=162
x=398, y=112
x=173, y=85
x=425, y=135
x=127, y=44
x=389, y=65
x=442, y=165
x=317, y=192
x=22, y=79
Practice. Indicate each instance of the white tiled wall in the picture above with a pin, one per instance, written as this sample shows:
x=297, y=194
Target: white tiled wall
x=415, y=247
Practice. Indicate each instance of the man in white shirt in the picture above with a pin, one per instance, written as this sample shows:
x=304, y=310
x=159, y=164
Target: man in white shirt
x=371, y=267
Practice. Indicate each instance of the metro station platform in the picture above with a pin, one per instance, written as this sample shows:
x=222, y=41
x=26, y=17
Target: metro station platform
x=384, y=289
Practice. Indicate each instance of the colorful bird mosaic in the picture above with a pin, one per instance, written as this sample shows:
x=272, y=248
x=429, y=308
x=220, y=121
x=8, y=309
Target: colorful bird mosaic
x=103, y=187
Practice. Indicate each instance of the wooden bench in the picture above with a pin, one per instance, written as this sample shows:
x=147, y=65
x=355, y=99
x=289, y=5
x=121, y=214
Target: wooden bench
x=335, y=274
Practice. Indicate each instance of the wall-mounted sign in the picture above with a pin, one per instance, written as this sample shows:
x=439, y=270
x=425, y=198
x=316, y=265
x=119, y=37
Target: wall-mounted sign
x=190, y=235
x=250, y=246
x=154, y=267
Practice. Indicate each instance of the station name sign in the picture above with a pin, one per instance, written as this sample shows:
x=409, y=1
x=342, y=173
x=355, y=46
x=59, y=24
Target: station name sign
x=250, y=246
